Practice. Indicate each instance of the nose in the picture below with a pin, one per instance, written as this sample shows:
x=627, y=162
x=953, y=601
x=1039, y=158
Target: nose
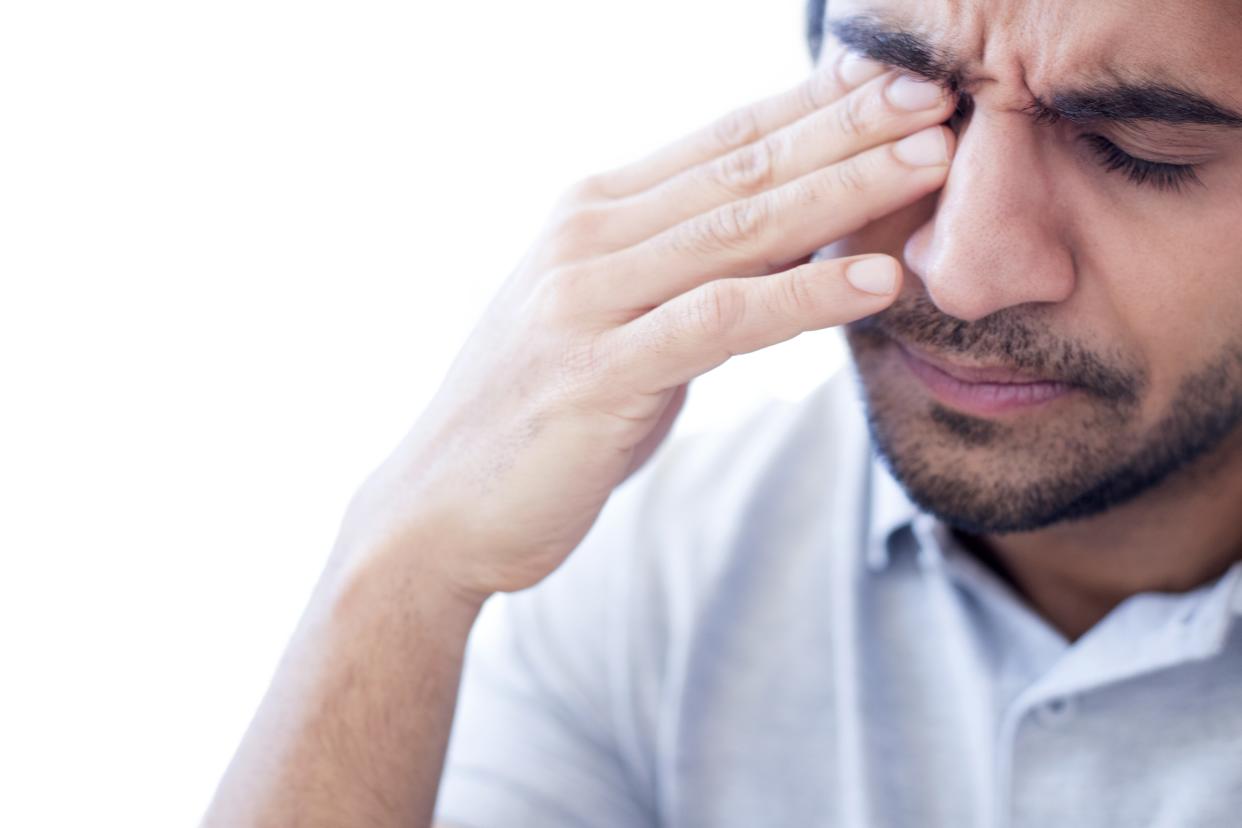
x=994, y=241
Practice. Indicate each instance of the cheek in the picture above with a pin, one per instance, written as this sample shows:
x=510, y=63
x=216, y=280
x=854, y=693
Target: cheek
x=1186, y=318
x=1170, y=269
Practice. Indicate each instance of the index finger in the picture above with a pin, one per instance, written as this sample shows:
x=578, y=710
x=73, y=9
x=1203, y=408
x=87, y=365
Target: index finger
x=829, y=81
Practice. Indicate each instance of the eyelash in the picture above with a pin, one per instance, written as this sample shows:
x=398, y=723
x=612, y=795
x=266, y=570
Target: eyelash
x=1162, y=176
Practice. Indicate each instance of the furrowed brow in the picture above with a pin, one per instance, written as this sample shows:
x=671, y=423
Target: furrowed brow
x=889, y=43
x=1153, y=102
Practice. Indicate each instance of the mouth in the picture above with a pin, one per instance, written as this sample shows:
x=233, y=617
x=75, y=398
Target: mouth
x=984, y=391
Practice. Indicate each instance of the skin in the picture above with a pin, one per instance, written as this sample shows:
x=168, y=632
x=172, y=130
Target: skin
x=652, y=274
x=1032, y=233
x=646, y=277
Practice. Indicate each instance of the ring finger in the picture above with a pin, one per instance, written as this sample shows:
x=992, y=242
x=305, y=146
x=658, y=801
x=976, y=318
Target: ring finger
x=761, y=234
x=881, y=110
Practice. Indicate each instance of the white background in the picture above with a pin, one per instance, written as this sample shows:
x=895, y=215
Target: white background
x=239, y=244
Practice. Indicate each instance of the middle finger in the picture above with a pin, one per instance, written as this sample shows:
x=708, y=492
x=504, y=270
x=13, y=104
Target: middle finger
x=881, y=110
x=760, y=234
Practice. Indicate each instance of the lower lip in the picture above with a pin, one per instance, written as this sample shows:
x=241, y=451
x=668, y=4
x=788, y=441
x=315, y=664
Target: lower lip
x=983, y=398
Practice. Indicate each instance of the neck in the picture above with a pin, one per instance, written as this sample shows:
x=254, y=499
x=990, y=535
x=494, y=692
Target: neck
x=1174, y=538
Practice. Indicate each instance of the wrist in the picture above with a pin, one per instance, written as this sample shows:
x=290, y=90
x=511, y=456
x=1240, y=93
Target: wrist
x=383, y=536
x=400, y=574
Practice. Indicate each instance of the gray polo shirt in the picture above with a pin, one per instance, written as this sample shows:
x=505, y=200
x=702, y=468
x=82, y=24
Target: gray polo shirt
x=762, y=630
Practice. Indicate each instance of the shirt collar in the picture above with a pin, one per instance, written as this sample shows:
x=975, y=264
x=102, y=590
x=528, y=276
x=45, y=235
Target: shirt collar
x=891, y=510
x=1218, y=611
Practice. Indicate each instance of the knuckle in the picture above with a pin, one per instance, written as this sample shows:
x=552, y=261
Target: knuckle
x=560, y=296
x=585, y=223
x=805, y=192
x=729, y=228
x=579, y=233
x=747, y=170
x=819, y=91
x=737, y=129
x=715, y=308
x=796, y=294
x=737, y=222
x=851, y=176
x=585, y=191
x=852, y=116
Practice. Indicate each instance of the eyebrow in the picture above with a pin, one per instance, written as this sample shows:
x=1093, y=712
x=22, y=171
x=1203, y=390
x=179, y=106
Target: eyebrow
x=889, y=43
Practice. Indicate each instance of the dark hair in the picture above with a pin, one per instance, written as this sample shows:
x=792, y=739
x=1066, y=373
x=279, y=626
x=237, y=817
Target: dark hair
x=815, y=26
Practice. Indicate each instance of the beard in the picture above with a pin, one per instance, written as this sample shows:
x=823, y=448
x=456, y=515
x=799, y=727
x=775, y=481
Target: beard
x=1088, y=453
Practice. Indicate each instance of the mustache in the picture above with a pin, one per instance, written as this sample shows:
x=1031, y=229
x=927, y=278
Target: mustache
x=1013, y=337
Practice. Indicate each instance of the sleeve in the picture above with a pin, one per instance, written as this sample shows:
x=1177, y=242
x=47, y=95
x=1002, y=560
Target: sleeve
x=544, y=732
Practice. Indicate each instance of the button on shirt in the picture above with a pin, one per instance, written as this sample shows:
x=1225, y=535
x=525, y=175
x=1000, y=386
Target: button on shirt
x=761, y=629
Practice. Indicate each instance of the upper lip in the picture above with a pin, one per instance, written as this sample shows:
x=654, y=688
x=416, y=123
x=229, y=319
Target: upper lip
x=995, y=374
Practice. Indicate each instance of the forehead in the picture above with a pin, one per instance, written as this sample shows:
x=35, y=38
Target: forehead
x=1053, y=42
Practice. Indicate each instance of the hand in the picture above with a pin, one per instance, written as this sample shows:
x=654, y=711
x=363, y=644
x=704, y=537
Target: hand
x=648, y=276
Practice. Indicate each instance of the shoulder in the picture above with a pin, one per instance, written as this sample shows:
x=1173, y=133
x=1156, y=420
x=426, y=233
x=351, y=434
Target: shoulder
x=719, y=537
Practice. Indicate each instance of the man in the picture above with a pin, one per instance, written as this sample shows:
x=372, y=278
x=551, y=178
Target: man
x=1020, y=609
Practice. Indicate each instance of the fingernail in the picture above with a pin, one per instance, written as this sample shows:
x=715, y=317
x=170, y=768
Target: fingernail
x=906, y=92
x=875, y=275
x=854, y=69
x=923, y=149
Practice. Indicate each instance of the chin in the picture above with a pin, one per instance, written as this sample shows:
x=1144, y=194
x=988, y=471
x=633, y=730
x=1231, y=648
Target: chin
x=989, y=475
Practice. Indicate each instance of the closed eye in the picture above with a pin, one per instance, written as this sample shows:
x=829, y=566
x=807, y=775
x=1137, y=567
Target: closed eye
x=1159, y=174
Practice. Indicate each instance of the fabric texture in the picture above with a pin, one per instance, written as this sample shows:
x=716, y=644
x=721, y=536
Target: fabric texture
x=762, y=630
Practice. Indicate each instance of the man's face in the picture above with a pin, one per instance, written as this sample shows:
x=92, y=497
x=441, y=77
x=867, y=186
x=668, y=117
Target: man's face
x=1089, y=237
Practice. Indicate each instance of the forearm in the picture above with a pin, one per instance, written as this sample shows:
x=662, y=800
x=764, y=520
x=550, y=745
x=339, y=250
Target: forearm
x=354, y=727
